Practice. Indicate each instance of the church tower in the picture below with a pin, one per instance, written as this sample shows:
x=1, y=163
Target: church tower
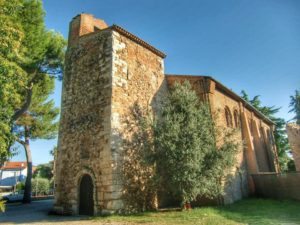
x=107, y=71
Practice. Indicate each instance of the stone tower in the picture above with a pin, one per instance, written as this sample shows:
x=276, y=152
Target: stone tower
x=107, y=70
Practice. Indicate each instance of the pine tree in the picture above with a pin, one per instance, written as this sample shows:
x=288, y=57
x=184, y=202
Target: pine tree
x=295, y=106
x=39, y=122
x=33, y=56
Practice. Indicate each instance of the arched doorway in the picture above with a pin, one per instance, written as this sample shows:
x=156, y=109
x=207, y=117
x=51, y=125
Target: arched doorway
x=86, y=191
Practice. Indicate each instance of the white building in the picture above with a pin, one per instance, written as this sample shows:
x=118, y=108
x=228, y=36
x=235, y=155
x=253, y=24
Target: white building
x=12, y=173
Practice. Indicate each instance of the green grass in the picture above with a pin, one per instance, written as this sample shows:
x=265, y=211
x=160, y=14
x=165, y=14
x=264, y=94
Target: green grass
x=248, y=211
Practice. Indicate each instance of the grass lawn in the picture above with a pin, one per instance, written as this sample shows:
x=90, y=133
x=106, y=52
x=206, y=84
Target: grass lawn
x=248, y=211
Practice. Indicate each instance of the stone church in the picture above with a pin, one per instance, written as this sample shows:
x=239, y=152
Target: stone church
x=107, y=70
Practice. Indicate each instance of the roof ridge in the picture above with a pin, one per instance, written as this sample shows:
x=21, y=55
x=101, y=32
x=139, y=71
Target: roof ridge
x=230, y=91
x=138, y=40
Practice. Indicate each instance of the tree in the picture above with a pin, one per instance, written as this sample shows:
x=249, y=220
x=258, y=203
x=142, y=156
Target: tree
x=295, y=106
x=40, y=186
x=28, y=54
x=12, y=75
x=43, y=171
x=189, y=162
x=39, y=122
x=24, y=74
x=280, y=135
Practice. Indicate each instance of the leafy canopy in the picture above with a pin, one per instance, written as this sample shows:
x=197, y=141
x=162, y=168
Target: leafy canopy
x=29, y=55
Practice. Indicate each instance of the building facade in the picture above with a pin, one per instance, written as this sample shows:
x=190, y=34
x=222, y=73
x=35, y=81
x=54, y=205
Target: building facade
x=107, y=71
x=11, y=173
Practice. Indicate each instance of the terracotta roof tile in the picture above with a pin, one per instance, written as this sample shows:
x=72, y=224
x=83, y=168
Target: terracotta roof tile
x=14, y=165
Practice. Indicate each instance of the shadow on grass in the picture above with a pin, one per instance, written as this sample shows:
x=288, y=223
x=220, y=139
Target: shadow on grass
x=248, y=211
x=262, y=211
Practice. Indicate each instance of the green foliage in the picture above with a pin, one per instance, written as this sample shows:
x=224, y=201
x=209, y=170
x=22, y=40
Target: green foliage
x=53, y=152
x=2, y=206
x=29, y=55
x=176, y=154
x=189, y=163
x=280, y=135
x=295, y=106
x=40, y=186
x=12, y=75
x=20, y=186
x=41, y=115
x=43, y=171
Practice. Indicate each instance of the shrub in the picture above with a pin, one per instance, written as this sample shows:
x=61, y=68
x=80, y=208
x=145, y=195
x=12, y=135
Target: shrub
x=40, y=186
x=20, y=186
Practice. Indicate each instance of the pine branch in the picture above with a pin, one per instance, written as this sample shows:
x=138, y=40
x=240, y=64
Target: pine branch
x=20, y=141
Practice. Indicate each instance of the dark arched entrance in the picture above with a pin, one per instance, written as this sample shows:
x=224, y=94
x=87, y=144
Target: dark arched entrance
x=86, y=201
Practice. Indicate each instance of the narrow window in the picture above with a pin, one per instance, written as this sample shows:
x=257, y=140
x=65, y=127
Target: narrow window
x=236, y=119
x=228, y=117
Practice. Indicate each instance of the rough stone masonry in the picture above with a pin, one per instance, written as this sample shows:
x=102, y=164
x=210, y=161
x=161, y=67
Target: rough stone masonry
x=293, y=131
x=107, y=71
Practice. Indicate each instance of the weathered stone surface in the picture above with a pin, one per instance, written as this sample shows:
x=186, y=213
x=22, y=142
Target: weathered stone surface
x=293, y=131
x=107, y=71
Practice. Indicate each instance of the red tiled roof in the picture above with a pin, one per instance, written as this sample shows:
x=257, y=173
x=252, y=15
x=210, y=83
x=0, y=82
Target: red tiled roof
x=14, y=165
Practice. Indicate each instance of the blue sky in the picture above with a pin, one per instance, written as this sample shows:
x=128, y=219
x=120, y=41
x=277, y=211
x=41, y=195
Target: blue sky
x=245, y=44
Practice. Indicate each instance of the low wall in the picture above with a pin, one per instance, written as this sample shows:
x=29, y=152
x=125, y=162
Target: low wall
x=277, y=185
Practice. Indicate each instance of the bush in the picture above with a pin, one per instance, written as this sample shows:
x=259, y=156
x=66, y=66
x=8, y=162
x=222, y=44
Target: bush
x=2, y=206
x=40, y=186
x=20, y=186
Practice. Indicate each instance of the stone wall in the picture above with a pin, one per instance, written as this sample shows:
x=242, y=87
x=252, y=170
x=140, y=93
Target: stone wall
x=259, y=151
x=293, y=131
x=106, y=73
x=237, y=181
x=84, y=133
x=137, y=78
x=278, y=186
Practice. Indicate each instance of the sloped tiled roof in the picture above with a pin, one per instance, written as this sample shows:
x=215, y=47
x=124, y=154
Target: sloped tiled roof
x=14, y=165
x=138, y=40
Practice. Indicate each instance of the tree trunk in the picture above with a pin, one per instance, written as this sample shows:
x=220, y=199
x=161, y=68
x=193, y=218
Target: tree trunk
x=27, y=191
